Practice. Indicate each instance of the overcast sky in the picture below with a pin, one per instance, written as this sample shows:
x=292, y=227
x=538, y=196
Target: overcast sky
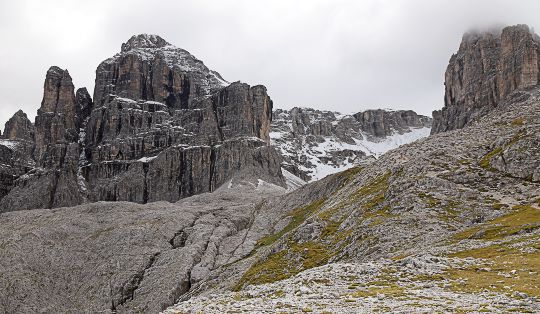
x=343, y=55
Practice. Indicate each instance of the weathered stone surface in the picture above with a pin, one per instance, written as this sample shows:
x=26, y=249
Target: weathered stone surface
x=144, y=151
x=487, y=67
x=317, y=290
x=19, y=127
x=124, y=257
x=181, y=171
x=126, y=129
x=54, y=184
x=519, y=157
x=55, y=151
x=144, y=41
x=243, y=111
x=84, y=105
x=165, y=127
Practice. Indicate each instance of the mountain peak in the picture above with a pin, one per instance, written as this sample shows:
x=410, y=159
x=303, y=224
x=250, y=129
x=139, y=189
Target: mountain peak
x=518, y=28
x=144, y=41
x=56, y=71
x=487, y=67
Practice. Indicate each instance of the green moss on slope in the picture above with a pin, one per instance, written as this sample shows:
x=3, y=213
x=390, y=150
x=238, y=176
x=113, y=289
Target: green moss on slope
x=298, y=216
x=503, y=267
x=486, y=160
x=524, y=218
x=293, y=258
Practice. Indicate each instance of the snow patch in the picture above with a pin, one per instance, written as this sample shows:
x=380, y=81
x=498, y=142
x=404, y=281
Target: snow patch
x=263, y=185
x=276, y=135
x=293, y=182
x=147, y=159
x=9, y=143
x=392, y=141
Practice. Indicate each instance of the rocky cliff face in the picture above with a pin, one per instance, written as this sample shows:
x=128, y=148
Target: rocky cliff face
x=149, y=68
x=162, y=126
x=53, y=182
x=382, y=123
x=57, y=120
x=487, y=67
x=16, y=151
x=317, y=143
x=15, y=161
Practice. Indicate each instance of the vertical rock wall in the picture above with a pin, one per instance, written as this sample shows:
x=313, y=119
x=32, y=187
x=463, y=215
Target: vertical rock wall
x=487, y=68
x=162, y=126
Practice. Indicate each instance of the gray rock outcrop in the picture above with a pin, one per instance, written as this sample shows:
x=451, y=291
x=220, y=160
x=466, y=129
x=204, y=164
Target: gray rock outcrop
x=15, y=161
x=57, y=118
x=149, y=68
x=119, y=257
x=486, y=68
x=54, y=181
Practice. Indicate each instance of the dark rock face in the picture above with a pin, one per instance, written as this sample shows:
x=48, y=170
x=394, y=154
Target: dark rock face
x=162, y=127
x=84, y=105
x=486, y=69
x=145, y=151
x=16, y=151
x=15, y=161
x=149, y=68
x=382, y=123
x=19, y=128
x=181, y=171
x=54, y=182
x=56, y=121
x=242, y=110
